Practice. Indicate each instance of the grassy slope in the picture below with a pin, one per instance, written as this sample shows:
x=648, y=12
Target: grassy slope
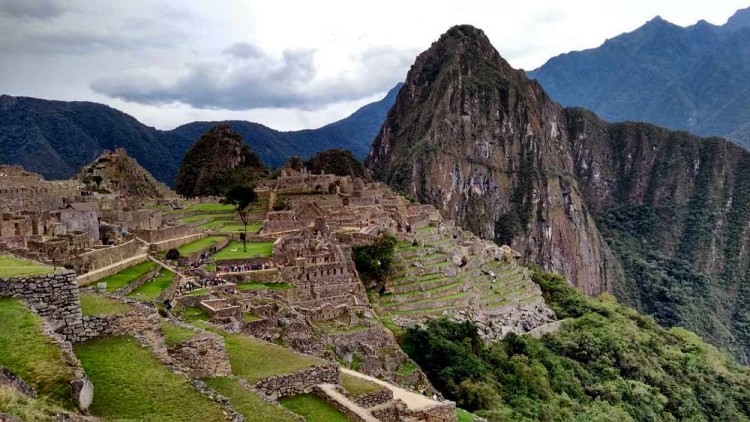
x=14, y=267
x=199, y=245
x=174, y=334
x=234, y=250
x=152, y=289
x=132, y=384
x=93, y=304
x=313, y=408
x=248, y=403
x=29, y=354
x=127, y=275
x=357, y=386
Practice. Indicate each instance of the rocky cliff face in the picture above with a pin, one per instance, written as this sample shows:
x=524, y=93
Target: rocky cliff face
x=486, y=145
x=658, y=217
x=219, y=160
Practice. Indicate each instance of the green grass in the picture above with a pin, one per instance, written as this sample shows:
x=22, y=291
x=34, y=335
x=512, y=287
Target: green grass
x=94, y=304
x=255, y=286
x=174, y=334
x=248, y=403
x=407, y=369
x=132, y=384
x=15, y=267
x=128, y=275
x=211, y=207
x=234, y=250
x=254, y=360
x=248, y=317
x=199, y=292
x=32, y=356
x=153, y=288
x=194, y=314
x=199, y=245
x=464, y=416
x=313, y=408
x=357, y=387
x=28, y=409
x=229, y=228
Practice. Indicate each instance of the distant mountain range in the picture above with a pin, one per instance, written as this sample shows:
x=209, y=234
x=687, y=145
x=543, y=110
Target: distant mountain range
x=695, y=78
x=56, y=138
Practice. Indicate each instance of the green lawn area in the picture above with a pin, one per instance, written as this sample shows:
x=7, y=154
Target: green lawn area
x=199, y=245
x=464, y=416
x=13, y=267
x=132, y=384
x=234, y=250
x=94, y=304
x=357, y=386
x=248, y=317
x=211, y=207
x=193, y=314
x=254, y=360
x=313, y=408
x=174, y=334
x=248, y=403
x=31, y=355
x=128, y=275
x=272, y=286
x=153, y=288
x=229, y=228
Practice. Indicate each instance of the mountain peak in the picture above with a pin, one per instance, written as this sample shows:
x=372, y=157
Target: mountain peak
x=740, y=19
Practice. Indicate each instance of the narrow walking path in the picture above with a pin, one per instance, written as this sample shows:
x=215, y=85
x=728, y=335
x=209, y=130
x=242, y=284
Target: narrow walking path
x=95, y=275
x=330, y=391
x=414, y=401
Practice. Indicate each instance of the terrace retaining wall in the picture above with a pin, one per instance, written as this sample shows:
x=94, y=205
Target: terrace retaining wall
x=299, y=382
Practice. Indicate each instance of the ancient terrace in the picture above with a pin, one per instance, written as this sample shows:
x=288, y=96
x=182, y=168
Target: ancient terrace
x=204, y=321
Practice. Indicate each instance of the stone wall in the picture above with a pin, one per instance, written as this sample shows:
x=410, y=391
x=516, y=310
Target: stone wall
x=52, y=296
x=375, y=398
x=90, y=278
x=103, y=257
x=9, y=378
x=349, y=413
x=299, y=382
x=398, y=411
x=164, y=233
x=175, y=243
x=202, y=356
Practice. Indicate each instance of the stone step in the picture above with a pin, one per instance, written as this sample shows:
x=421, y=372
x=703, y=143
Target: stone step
x=344, y=404
x=415, y=296
x=459, y=299
x=423, y=285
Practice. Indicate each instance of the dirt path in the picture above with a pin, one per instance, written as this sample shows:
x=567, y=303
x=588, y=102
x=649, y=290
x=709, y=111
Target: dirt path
x=413, y=400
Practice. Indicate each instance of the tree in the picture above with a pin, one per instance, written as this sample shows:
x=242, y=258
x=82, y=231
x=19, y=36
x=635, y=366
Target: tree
x=241, y=197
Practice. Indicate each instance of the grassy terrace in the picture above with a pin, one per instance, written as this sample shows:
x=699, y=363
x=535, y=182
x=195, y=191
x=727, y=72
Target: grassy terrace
x=211, y=207
x=153, y=288
x=15, y=267
x=174, y=334
x=313, y=408
x=234, y=250
x=93, y=304
x=32, y=356
x=199, y=245
x=248, y=403
x=230, y=228
x=256, y=286
x=131, y=384
x=357, y=387
x=128, y=275
x=254, y=360
x=193, y=314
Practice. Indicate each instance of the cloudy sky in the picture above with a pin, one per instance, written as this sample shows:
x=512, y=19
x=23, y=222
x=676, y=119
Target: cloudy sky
x=286, y=64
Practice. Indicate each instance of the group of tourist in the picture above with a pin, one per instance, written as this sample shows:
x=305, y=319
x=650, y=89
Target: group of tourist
x=238, y=268
x=201, y=283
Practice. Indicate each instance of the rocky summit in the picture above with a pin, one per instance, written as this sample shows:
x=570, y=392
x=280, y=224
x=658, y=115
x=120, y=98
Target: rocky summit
x=115, y=171
x=217, y=161
x=649, y=214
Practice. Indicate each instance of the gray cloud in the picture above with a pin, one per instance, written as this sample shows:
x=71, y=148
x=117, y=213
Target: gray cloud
x=247, y=78
x=32, y=9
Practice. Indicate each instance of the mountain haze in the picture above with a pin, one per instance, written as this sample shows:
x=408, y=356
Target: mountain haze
x=694, y=78
x=653, y=215
x=56, y=138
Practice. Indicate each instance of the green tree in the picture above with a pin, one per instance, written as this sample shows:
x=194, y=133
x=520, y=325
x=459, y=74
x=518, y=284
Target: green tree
x=241, y=197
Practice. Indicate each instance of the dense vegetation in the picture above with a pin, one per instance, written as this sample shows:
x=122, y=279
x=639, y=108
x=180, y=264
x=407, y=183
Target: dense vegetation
x=608, y=362
x=219, y=161
x=56, y=138
x=336, y=161
x=692, y=78
x=373, y=261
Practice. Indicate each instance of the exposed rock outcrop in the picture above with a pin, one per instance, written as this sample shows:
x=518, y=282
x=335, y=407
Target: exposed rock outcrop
x=116, y=172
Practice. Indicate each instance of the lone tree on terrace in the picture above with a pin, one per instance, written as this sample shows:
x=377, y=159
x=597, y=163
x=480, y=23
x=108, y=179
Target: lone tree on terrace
x=241, y=197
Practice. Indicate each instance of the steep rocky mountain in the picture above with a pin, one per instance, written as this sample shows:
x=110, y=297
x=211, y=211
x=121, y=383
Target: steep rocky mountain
x=115, y=171
x=694, y=78
x=219, y=160
x=56, y=138
x=655, y=216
